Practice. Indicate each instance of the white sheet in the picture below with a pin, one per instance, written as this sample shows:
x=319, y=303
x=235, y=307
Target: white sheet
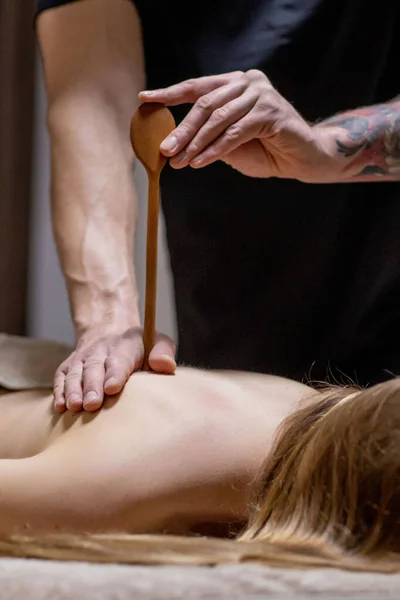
x=48, y=580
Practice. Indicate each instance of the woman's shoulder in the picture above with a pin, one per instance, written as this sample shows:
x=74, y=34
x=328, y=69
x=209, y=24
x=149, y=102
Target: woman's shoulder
x=192, y=388
x=186, y=376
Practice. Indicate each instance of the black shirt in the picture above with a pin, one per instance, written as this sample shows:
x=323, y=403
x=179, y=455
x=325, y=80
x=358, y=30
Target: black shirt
x=273, y=275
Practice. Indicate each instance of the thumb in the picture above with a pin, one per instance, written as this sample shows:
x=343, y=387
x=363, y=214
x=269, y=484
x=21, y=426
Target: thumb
x=162, y=357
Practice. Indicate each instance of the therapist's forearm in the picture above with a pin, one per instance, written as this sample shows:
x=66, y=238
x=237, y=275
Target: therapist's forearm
x=94, y=213
x=93, y=62
x=365, y=142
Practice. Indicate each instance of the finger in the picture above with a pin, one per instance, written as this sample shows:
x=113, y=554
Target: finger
x=58, y=391
x=93, y=383
x=239, y=133
x=199, y=115
x=162, y=357
x=121, y=364
x=73, y=387
x=188, y=91
x=219, y=121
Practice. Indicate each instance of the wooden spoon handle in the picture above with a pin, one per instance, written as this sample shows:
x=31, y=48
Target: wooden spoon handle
x=151, y=267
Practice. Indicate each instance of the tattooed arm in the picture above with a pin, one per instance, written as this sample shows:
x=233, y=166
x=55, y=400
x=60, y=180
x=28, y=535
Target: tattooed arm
x=367, y=142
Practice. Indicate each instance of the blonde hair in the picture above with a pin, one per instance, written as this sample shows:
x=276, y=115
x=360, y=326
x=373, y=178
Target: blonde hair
x=328, y=495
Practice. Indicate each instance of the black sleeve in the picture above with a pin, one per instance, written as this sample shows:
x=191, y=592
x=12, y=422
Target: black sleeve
x=45, y=4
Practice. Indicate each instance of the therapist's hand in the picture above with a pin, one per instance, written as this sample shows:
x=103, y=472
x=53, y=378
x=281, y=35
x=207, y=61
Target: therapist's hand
x=102, y=363
x=241, y=119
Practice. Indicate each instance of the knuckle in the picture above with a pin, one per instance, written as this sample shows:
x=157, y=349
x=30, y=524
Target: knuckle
x=132, y=335
x=112, y=361
x=220, y=115
x=188, y=87
x=188, y=84
x=72, y=376
x=205, y=104
x=233, y=133
x=265, y=109
x=269, y=113
x=74, y=363
x=118, y=364
x=267, y=99
x=255, y=74
x=93, y=363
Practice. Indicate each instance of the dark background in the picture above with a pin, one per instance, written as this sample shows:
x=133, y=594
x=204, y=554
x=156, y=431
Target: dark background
x=17, y=67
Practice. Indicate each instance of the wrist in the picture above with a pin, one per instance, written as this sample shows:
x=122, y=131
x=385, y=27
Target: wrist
x=344, y=157
x=105, y=313
x=329, y=163
x=118, y=324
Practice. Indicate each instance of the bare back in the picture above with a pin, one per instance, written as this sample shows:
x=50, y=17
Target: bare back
x=169, y=452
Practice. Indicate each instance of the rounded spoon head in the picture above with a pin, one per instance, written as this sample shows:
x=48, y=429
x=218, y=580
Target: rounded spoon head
x=150, y=125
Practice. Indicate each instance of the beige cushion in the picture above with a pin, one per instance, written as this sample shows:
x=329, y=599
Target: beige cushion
x=27, y=363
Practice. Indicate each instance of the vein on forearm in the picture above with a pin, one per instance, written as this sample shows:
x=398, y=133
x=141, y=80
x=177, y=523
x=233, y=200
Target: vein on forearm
x=94, y=214
x=370, y=141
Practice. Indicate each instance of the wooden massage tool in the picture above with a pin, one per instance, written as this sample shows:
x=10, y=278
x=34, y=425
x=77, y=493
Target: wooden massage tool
x=150, y=125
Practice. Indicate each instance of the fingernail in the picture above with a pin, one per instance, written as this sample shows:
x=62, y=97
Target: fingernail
x=71, y=398
x=147, y=93
x=110, y=382
x=196, y=161
x=90, y=397
x=170, y=143
x=169, y=359
x=167, y=356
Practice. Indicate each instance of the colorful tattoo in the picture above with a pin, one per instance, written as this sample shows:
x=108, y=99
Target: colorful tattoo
x=372, y=141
